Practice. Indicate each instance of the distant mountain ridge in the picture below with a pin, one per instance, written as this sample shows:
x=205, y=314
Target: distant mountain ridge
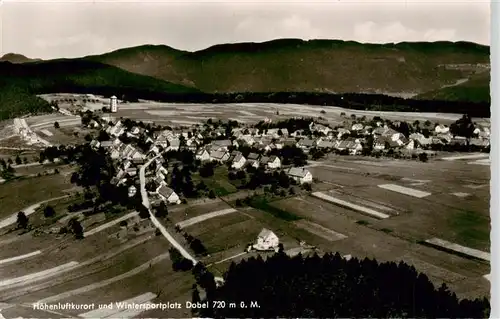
x=293, y=65
x=20, y=82
x=16, y=58
x=280, y=71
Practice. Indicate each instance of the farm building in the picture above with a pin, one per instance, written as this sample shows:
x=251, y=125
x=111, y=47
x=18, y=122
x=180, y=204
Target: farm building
x=300, y=174
x=168, y=195
x=202, y=155
x=237, y=160
x=266, y=240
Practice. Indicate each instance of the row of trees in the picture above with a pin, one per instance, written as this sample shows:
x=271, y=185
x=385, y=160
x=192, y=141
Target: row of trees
x=74, y=226
x=333, y=287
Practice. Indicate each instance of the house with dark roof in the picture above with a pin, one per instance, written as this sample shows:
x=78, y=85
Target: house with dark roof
x=271, y=162
x=168, y=195
x=219, y=156
x=300, y=175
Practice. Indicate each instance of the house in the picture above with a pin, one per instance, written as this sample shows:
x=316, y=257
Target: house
x=273, y=132
x=441, y=129
x=173, y=144
x=357, y=127
x=127, y=164
x=131, y=171
x=138, y=161
x=379, y=143
x=284, y=132
x=237, y=161
x=162, y=141
x=300, y=175
x=117, y=130
x=272, y=162
x=247, y=139
x=221, y=145
x=155, y=149
x=323, y=129
x=266, y=240
x=379, y=131
x=132, y=190
x=420, y=138
x=306, y=144
x=135, y=130
x=202, y=155
x=168, y=195
x=115, y=153
x=95, y=144
x=253, y=160
x=219, y=156
x=137, y=155
x=106, y=144
x=324, y=144
x=342, y=131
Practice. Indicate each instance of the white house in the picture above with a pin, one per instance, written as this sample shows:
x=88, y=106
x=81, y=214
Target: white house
x=342, y=131
x=202, y=155
x=167, y=194
x=135, y=130
x=441, y=129
x=221, y=144
x=95, y=144
x=238, y=161
x=253, y=160
x=132, y=191
x=300, y=174
x=272, y=162
x=357, y=127
x=219, y=156
x=173, y=144
x=267, y=240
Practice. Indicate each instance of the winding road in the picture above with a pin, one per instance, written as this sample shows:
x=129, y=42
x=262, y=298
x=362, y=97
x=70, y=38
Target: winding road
x=156, y=222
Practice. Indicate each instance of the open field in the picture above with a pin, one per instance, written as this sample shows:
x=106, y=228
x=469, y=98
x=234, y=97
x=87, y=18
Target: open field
x=440, y=214
x=179, y=215
x=373, y=239
x=190, y=114
x=199, y=219
x=18, y=194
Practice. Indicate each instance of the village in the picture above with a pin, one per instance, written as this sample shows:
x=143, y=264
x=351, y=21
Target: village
x=226, y=188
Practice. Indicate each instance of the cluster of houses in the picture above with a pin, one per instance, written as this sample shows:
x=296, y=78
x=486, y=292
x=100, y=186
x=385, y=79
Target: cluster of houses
x=350, y=140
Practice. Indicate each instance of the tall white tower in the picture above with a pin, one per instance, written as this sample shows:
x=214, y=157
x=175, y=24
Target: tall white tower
x=113, y=103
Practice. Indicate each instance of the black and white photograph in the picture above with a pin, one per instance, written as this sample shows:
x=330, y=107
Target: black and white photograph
x=247, y=159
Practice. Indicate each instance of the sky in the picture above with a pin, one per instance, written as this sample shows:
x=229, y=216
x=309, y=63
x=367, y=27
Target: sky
x=74, y=28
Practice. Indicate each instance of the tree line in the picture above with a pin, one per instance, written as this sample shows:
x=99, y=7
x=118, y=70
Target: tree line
x=333, y=287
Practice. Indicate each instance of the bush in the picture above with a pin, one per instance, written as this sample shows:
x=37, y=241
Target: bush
x=423, y=157
x=49, y=211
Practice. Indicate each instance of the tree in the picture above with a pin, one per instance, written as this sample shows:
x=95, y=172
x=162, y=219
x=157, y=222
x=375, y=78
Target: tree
x=18, y=160
x=22, y=220
x=162, y=210
x=56, y=125
x=287, y=287
x=207, y=170
x=76, y=228
x=423, y=157
x=49, y=211
x=211, y=194
x=143, y=211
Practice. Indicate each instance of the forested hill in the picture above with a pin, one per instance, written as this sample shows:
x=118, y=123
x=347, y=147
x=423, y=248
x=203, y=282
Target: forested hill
x=293, y=65
x=20, y=82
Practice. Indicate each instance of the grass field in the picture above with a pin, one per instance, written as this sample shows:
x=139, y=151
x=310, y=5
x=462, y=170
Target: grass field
x=177, y=215
x=219, y=182
x=18, y=194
